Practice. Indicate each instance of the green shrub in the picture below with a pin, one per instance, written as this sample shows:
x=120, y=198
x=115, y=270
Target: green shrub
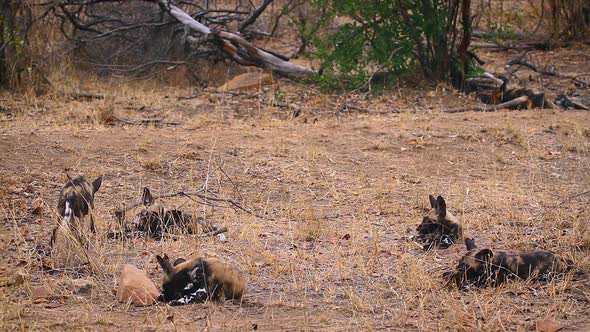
x=396, y=36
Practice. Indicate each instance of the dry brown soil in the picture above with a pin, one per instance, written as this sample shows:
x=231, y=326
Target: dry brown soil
x=336, y=195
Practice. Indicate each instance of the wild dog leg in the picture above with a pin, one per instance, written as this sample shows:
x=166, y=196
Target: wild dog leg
x=92, y=226
x=53, y=235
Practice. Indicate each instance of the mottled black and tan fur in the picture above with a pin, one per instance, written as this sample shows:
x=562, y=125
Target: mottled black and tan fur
x=484, y=267
x=439, y=228
x=76, y=201
x=155, y=219
x=220, y=281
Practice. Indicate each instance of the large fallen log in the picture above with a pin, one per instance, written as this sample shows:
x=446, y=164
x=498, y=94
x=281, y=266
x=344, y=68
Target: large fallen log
x=238, y=48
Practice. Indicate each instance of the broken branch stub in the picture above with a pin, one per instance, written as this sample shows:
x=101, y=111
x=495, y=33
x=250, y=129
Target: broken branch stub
x=238, y=48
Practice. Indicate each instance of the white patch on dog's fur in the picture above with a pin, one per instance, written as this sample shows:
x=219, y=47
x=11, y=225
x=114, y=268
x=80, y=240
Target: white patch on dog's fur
x=68, y=212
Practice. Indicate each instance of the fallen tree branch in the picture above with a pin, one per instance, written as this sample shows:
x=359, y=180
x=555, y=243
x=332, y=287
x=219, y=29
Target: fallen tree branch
x=238, y=48
x=522, y=62
x=234, y=93
x=144, y=122
x=494, y=44
x=86, y=95
x=523, y=100
x=569, y=198
x=215, y=232
x=128, y=234
x=347, y=107
x=120, y=212
x=497, y=46
x=567, y=103
x=297, y=110
x=252, y=18
x=204, y=234
x=553, y=207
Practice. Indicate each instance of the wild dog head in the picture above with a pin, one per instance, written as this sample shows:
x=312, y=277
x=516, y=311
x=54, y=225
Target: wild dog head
x=199, y=279
x=439, y=228
x=76, y=200
x=183, y=282
x=479, y=267
x=473, y=267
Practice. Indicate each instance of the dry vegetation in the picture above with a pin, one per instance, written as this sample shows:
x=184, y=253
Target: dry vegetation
x=336, y=194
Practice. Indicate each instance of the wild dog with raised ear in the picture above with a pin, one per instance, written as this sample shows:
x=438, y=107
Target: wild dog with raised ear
x=155, y=219
x=439, y=228
x=199, y=279
x=482, y=267
x=76, y=200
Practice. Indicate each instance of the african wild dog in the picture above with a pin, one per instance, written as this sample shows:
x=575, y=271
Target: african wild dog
x=155, y=220
x=483, y=267
x=76, y=200
x=200, y=279
x=439, y=228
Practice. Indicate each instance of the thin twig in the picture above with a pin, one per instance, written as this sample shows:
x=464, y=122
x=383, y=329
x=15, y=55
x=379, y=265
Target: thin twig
x=347, y=107
x=252, y=18
x=215, y=232
x=568, y=199
x=144, y=122
x=120, y=213
x=139, y=202
x=86, y=95
x=232, y=182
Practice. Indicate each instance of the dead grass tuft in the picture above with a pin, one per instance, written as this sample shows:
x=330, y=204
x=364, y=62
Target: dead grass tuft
x=153, y=164
x=509, y=135
x=105, y=114
x=310, y=228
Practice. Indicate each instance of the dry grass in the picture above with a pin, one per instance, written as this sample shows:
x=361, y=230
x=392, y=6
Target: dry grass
x=339, y=194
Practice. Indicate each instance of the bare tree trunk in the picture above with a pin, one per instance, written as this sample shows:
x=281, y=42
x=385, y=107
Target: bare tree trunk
x=7, y=46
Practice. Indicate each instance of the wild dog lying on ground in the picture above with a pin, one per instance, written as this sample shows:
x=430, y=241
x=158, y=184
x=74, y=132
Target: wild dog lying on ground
x=155, y=220
x=200, y=279
x=76, y=200
x=439, y=228
x=483, y=267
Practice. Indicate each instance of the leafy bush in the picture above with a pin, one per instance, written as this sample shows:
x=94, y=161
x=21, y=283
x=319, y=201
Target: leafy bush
x=397, y=36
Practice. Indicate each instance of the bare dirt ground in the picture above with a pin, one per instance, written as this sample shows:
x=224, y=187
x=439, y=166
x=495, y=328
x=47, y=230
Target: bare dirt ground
x=336, y=195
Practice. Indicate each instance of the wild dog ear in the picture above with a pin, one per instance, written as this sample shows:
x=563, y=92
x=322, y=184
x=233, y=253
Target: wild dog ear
x=96, y=184
x=470, y=244
x=432, y=201
x=484, y=255
x=166, y=266
x=147, y=197
x=179, y=261
x=441, y=207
